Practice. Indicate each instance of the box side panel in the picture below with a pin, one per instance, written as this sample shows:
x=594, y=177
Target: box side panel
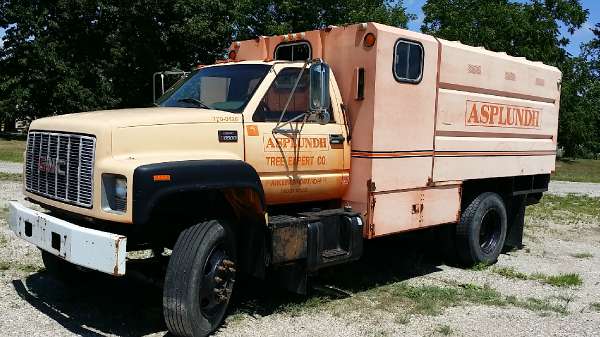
x=484, y=136
x=343, y=50
x=497, y=115
x=477, y=69
x=414, y=209
x=404, y=115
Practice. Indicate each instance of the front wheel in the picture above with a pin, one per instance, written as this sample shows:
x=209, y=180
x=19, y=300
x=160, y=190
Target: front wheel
x=199, y=279
x=481, y=232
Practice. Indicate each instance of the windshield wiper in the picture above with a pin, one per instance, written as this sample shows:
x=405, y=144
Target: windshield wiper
x=194, y=101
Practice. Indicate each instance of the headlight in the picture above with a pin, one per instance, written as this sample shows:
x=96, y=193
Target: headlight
x=121, y=188
x=114, y=193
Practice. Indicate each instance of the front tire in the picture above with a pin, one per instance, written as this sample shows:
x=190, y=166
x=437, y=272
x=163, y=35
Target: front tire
x=199, y=279
x=481, y=231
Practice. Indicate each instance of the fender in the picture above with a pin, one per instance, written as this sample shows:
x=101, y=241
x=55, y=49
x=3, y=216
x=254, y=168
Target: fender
x=189, y=176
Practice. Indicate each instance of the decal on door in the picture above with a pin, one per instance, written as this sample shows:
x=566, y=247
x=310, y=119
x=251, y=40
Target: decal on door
x=295, y=144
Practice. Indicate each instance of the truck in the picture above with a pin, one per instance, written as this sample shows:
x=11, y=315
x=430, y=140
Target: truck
x=285, y=157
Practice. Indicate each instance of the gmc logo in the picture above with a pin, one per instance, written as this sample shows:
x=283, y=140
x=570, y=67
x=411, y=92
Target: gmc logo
x=52, y=165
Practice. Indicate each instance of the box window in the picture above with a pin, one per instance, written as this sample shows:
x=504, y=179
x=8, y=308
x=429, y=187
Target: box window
x=297, y=51
x=408, y=61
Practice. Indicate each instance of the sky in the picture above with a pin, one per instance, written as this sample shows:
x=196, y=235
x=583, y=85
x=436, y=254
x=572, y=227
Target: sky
x=582, y=35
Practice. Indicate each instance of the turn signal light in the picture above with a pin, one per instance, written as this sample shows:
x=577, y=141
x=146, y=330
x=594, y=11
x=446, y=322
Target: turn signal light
x=162, y=177
x=369, y=40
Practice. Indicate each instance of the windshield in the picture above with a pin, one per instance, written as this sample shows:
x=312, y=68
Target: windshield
x=227, y=88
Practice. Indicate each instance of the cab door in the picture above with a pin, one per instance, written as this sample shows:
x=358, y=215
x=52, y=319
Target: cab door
x=300, y=160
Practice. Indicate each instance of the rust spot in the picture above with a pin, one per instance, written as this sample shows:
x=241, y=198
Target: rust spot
x=289, y=239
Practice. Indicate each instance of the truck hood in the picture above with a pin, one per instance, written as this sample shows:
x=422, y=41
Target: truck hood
x=159, y=134
x=97, y=121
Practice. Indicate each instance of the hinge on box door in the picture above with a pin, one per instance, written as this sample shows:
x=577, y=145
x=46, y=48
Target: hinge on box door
x=417, y=208
x=371, y=185
x=371, y=211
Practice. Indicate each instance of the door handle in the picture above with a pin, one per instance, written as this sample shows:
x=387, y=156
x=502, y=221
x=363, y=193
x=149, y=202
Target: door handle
x=336, y=139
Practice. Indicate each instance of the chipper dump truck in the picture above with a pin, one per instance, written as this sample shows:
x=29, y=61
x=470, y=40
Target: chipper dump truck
x=284, y=158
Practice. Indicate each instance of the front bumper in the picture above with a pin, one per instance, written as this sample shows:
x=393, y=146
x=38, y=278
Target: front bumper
x=90, y=248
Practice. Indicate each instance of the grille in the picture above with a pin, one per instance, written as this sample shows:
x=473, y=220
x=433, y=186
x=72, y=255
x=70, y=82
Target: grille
x=60, y=166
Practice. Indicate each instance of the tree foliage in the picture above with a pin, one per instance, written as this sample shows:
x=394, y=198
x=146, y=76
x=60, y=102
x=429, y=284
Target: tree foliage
x=532, y=30
x=62, y=56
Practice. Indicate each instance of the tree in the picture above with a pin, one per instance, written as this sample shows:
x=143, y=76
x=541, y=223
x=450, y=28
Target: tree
x=285, y=16
x=528, y=29
x=79, y=55
x=579, y=114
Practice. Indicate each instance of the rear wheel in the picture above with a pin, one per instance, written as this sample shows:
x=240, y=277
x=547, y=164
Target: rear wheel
x=481, y=232
x=199, y=279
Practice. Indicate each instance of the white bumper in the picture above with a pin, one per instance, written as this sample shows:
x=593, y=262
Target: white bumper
x=90, y=248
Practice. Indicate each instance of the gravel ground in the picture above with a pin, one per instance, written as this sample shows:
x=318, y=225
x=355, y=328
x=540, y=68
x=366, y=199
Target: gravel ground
x=9, y=167
x=568, y=187
x=34, y=304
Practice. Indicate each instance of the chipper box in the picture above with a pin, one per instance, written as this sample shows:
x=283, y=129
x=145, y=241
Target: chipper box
x=284, y=158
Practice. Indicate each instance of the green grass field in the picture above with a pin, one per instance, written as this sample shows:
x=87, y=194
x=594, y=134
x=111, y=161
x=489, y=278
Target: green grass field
x=581, y=170
x=11, y=150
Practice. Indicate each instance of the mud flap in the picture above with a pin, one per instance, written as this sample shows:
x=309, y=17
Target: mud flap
x=516, y=223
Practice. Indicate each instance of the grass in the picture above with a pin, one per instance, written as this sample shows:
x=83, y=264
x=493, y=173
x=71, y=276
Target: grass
x=510, y=273
x=12, y=150
x=4, y=176
x=480, y=266
x=403, y=300
x=580, y=170
x=570, y=208
x=432, y=299
x=583, y=255
x=3, y=212
x=595, y=306
x=22, y=267
x=444, y=330
x=561, y=280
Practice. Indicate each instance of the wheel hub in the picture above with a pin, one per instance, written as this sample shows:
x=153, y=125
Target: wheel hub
x=489, y=232
x=217, y=284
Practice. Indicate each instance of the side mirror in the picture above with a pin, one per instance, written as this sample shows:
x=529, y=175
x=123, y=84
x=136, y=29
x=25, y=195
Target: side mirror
x=319, y=92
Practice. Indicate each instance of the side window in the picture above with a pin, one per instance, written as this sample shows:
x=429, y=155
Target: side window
x=298, y=51
x=408, y=61
x=273, y=103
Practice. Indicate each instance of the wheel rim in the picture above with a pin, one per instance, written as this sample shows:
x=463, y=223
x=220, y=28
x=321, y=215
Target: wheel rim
x=489, y=232
x=217, y=282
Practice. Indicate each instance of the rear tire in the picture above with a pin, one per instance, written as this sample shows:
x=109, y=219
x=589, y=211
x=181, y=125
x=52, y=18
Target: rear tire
x=481, y=232
x=199, y=279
